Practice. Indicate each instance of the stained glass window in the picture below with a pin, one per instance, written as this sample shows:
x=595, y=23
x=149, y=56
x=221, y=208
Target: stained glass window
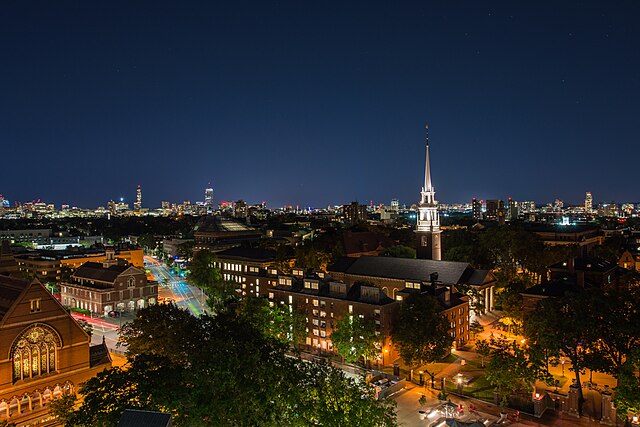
x=34, y=352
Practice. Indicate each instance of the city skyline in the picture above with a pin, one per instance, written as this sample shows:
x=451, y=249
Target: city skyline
x=280, y=102
x=131, y=201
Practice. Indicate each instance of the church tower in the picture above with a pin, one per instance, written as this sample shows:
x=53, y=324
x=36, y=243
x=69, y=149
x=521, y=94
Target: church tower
x=428, y=230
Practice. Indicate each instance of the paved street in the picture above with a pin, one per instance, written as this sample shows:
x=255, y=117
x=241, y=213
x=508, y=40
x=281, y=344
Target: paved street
x=176, y=288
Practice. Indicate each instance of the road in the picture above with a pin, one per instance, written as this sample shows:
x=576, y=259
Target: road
x=176, y=288
x=183, y=294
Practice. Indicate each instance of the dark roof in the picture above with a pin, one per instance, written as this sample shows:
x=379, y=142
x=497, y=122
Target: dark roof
x=96, y=271
x=99, y=355
x=218, y=224
x=477, y=277
x=248, y=254
x=140, y=418
x=555, y=288
x=449, y=272
x=364, y=241
x=587, y=264
x=10, y=290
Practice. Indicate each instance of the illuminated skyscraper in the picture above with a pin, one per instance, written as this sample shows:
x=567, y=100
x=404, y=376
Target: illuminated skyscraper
x=428, y=230
x=476, y=209
x=208, y=199
x=588, y=203
x=137, y=205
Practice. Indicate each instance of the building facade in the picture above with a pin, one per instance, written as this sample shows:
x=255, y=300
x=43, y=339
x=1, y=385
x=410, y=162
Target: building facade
x=43, y=351
x=109, y=286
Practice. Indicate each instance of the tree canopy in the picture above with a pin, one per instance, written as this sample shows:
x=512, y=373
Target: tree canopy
x=204, y=274
x=221, y=370
x=421, y=333
x=355, y=337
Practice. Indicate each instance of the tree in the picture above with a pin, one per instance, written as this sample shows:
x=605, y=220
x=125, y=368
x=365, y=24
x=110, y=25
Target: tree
x=421, y=333
x=355, y=337
x=63, y=407
x=616, y=312
x=185, y=250
x=222, y=369
x=475, y=328
x=399, y=251
x=483, y=349
x=627, y=393
x=568, y=325
x=512, y=367
x=279, y=322
x=204, y=274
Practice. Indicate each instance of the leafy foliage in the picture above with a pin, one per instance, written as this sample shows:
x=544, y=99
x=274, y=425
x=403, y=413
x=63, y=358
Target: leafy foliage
x=355, y=337
x=421, y=333
x=277, y=322
x=399, y=251
x=483, y=349
x=205, y=275
x=513, y=367
x=222, y=371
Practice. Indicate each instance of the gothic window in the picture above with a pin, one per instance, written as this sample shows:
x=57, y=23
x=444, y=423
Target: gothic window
x=34, y=352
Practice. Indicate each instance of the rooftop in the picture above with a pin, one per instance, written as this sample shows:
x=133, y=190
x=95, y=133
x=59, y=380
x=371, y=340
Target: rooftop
x=449, y=272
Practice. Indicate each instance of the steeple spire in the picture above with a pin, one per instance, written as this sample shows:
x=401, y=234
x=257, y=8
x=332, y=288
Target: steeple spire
x=428, y=192
x=428, y=226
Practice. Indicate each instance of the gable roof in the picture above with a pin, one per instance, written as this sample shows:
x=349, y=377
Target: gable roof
x=11, y=289
x=96, y=271
x=449, y=272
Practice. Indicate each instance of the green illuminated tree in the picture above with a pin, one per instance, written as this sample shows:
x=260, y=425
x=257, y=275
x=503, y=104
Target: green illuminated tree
x=483, y=349
x=355, y=337
x=421, y=333
x=279, y=322
x=204, y=274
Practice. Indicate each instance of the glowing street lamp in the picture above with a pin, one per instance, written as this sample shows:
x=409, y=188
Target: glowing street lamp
x=562, y=363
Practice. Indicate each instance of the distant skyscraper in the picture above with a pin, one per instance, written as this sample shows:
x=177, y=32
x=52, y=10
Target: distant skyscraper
x=495, y=210
x=428, y=229
x=476, y=209
x=208, y=199
x=137, y=205
x=588, y=203
x=513, y=210
x=395, y=205
x=355, y=212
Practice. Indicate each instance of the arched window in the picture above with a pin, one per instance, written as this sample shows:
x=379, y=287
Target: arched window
x=131, y=282
x=34, y=352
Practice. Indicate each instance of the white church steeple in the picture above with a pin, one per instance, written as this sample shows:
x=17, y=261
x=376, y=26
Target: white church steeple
x=428, y=227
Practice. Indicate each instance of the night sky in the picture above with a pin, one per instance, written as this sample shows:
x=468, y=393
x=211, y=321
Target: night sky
x=313, y=103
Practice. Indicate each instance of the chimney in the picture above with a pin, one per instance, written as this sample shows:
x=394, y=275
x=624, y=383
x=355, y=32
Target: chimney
x=446, y=295
x=571, y=265
x=434, y=278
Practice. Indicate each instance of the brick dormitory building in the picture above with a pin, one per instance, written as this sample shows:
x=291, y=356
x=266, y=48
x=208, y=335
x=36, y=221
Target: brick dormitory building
x=373, y=287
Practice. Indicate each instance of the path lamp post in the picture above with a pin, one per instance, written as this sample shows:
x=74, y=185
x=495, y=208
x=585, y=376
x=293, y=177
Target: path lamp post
x=562, y=363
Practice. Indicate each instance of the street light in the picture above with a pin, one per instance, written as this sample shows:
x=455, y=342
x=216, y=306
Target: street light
x=562, y=363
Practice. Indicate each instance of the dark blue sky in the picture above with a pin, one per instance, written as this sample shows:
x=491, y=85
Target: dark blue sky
x=316, y=102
